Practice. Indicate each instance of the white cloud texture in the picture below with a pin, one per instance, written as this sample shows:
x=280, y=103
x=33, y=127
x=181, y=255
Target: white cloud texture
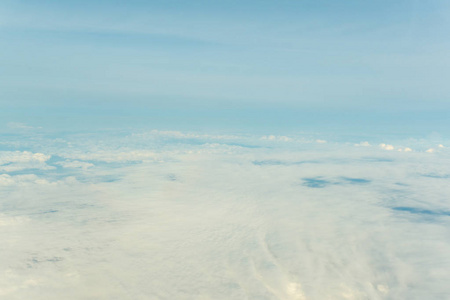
x=276, y=138
x=20, y=160
x=22, y=157
x=387, y=147
x=208, y=220
x=110, y=156
x=75, y=164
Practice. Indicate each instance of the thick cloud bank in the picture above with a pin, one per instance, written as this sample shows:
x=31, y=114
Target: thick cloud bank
x=168, y=215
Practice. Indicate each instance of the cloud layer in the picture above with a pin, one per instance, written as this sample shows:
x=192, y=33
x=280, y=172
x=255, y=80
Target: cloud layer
x=164, y=215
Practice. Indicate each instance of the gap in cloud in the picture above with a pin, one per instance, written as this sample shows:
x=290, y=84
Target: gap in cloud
x=377, y=159
x=434, y=175
x=172, y=177
x=421, y=211
x=356, y=180
x=319, y=182
x=316, y=182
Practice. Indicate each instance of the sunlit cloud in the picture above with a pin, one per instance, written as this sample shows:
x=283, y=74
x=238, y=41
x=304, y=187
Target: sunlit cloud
x=387, y=147
x=20, y=160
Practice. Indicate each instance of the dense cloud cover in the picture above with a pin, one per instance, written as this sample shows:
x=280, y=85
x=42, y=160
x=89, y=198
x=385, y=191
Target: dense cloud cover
x=173, y=215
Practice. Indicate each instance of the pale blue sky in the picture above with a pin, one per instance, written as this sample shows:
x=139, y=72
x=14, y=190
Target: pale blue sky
x=130, y=57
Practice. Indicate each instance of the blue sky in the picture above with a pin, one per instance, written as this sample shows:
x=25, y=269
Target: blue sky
x=124, y=58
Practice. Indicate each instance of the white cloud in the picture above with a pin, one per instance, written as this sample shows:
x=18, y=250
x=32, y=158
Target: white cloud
x=363, y=144
x=115, y=156
x=16, y=160
x=6, y=220
x=387, y=147
x=269, y=137
x=431, y=150
x=285, y=139
x=321, y=141
x=18, y=125
x=32, y=180
x=183, y=135
x=6, y=180
x=25, y=156
x=206, y=220
x=281, y=138
x=75, y=164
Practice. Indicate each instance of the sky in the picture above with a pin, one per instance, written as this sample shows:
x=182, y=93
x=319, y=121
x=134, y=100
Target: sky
x=275, y=62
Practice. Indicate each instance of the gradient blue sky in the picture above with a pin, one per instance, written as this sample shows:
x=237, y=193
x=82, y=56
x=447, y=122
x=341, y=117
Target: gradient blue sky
x=327, y=61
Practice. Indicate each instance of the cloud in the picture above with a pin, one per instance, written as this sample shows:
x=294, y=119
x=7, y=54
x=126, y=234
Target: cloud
x=276, y=138
x=11, y=161
x=18, y=125
x=387, y=147
x=110, y=156
x=12, y=221
x=7, y=180
x=184, y=135
x=363, y=144
x=75, y=164
x=22, y=157
x=215, y=221
x=33, y=180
